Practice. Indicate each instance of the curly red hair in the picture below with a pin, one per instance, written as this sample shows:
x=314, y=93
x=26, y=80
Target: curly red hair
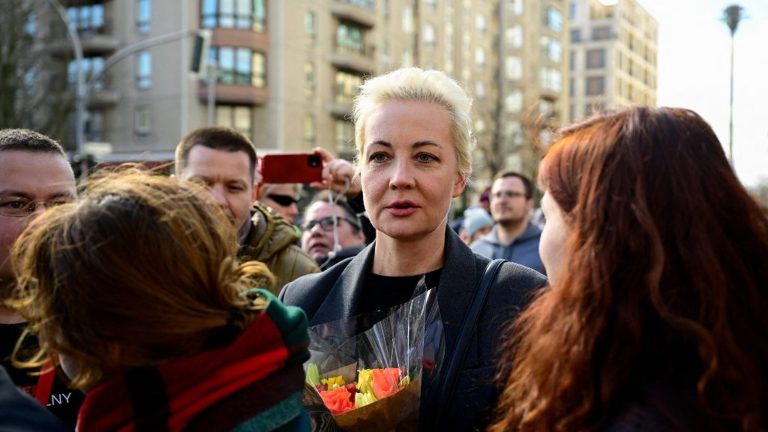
x=664, y=280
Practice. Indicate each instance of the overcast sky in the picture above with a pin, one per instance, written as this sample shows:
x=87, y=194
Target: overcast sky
x=694, y=72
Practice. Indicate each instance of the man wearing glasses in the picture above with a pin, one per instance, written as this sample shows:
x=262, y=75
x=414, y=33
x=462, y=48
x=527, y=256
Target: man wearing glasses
x=513, y=237
x=331, y=231
x=34, y=175
x=283, y=198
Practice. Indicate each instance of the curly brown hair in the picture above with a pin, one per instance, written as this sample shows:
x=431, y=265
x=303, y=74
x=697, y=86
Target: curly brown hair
x=664, y=279
x=139, y=271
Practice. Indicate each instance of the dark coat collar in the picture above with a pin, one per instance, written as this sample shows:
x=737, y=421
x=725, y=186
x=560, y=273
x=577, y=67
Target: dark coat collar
x=458, y=283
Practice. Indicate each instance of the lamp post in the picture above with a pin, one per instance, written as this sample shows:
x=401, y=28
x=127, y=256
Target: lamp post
x=732, y=15
x=79, y=86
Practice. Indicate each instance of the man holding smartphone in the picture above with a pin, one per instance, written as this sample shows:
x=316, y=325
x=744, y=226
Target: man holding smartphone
x=224, y=161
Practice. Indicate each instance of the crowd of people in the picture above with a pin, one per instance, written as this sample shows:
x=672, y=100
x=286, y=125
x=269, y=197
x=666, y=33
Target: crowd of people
x=635, y=299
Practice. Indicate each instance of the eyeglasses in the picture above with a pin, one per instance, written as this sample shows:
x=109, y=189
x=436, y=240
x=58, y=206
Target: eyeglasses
x=326, y=223
x=283, y=200
x=15, y=207
x=509, y=194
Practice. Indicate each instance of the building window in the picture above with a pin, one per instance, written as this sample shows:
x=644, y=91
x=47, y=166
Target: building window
x=431, y=3
x=408, y=20
x=553, y=19
x=573, y=11
x=144, y=69
x=479, y=57
x=241, y=14
x=552, y=49
x=92, y=66
x=551, y=79
x=143, y=120
x=513, y=68
x=601, y=33
x=596, y=58
x=143, y=16
x=349, y=38
x=595, y=86
x=513, y=103
x=480, y=24
x=236, y=117
x=30, y=27
x=309, y=131
x=87, y=18
x=240, y=66
x=309, y=79
x=576, y=35
x=516, y=6
x=94, y=126
x=479, y=90
x=430, y=39
x=345, y=138
x=514, y=36
x=310, y=24
x=347, y=86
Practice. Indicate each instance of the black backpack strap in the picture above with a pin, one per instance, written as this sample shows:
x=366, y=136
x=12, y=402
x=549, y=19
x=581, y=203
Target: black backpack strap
x=462, y=343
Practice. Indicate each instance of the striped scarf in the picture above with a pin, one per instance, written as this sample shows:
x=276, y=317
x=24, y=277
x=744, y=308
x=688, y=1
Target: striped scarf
x=256, y=381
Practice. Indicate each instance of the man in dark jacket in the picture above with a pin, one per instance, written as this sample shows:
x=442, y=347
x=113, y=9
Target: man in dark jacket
x=513, y=237
x=224, y=160
x=34, y=175
x=332, y=231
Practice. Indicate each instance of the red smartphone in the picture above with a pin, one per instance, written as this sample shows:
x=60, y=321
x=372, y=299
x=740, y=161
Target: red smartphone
x=291, y=168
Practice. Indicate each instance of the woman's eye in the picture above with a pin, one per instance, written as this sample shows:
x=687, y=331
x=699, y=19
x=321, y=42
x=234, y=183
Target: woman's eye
x=425, y=157
x=378, y=157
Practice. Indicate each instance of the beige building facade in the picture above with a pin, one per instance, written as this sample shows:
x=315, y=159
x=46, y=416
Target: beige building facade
x=613, y=58
x=288, y=70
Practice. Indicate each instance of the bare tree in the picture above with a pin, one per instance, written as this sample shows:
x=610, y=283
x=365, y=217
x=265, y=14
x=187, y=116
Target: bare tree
x=33, y=91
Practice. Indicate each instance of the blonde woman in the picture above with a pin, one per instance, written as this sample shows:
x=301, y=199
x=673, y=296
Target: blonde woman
x=414, y=154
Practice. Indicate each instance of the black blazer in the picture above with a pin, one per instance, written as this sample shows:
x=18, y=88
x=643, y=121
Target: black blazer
x=335, y=294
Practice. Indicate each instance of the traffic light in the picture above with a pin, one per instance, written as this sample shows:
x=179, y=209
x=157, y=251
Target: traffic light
x=200, y=52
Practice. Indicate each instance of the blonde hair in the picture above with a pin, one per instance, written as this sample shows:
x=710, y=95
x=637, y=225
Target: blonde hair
x=415, y=84
x=139, y=271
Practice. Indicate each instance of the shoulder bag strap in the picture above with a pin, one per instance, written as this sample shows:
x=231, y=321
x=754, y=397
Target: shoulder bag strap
x=462, y=343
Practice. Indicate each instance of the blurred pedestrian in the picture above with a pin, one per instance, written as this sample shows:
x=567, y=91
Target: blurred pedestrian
x=332, y=231
x=283, y=199
x=475, y=224
x=513, y=237
x=657, y=314
x=413, y=137
x=137, y=289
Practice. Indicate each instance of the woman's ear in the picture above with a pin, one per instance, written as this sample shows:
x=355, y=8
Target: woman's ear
x=459, y=184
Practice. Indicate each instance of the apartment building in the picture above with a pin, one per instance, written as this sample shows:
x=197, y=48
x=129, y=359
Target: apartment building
x=288, y=70
x=613, y=56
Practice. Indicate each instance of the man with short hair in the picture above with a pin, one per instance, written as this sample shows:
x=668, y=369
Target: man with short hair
x=224, y=161
x=513, y=237
x=34, y=175
x=332, y=231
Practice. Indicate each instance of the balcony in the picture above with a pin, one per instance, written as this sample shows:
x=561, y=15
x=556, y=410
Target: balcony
x=234, y=94
x=351, y=60
x=340, y=110
x=103, y=98
x=358, y=11
x=94, y=41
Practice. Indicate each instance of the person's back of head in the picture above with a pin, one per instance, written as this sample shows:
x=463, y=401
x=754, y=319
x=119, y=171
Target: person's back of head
x=663, y=278
x=139, y=271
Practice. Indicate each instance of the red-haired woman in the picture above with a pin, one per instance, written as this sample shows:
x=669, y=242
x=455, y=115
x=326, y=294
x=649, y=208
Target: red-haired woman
x=657, y=314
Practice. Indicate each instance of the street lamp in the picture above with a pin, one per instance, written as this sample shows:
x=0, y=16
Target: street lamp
x=732, y=15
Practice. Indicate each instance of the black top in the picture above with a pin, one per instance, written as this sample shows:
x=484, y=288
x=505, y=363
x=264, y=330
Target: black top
x=62, y=402
x=384, y=292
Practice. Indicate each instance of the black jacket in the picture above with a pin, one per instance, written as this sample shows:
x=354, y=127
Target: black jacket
x=335, y=294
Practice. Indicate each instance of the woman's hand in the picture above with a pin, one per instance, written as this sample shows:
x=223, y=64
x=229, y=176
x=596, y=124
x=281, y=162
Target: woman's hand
x=338, y=174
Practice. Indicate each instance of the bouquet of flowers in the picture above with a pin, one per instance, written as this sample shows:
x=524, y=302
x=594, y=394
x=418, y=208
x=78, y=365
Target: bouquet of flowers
x=365, y=373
